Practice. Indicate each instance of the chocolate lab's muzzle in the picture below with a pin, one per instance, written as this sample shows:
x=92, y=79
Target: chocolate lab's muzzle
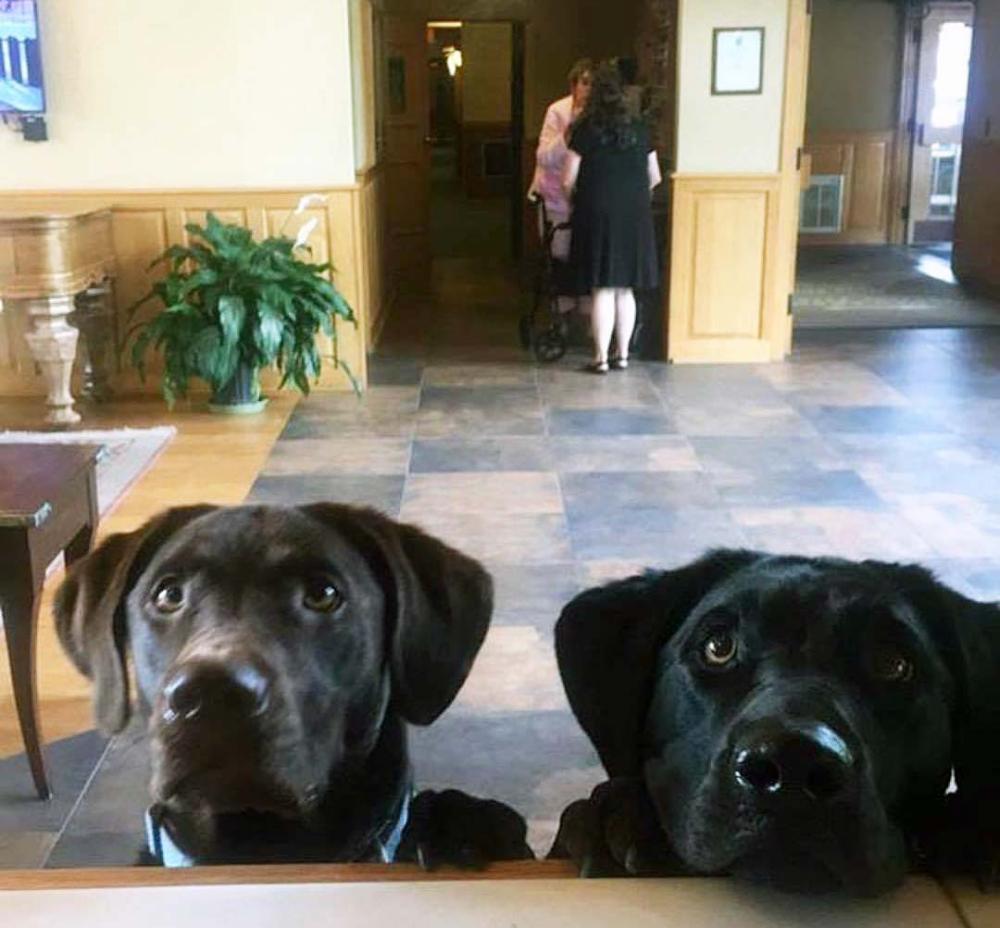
x=204, y=693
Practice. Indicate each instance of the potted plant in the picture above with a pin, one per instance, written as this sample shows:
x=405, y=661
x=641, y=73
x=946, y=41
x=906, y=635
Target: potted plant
x=233, y=306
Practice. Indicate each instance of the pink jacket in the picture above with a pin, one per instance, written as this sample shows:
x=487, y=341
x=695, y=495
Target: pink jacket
x=550, y=157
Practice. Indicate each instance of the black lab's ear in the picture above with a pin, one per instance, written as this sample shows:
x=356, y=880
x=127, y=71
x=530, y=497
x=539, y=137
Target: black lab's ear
x=88, y=610
x=967, y=634
x=607, y=642
x=439, y=601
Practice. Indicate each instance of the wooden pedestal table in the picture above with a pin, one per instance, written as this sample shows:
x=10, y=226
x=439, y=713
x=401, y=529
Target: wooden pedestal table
x=48, y=506
x=48, y=255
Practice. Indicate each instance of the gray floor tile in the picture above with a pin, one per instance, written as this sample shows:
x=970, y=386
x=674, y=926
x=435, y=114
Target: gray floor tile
x=608, y=492
x=873, y=419
x=803, y=486
x=370, y=456
x=479, y=411
x=384, y=493
x=70, y=763
x=98, y=849
x=612, y=421
x=25, y=850
x=609, y=453
x=511, y=452
x=658, y=537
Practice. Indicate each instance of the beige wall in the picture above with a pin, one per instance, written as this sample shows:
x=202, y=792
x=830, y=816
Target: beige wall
x=728, y=134
x=486, y=55
x=190, y=94
x=854, y=66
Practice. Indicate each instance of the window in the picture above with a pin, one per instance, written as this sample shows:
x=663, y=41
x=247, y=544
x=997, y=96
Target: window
x=822, y=204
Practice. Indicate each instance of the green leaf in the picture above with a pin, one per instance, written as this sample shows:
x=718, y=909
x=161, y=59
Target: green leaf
x=232, y=315
x=268, y=332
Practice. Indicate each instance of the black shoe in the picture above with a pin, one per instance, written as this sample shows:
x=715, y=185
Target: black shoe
x=596, y=367
x=619, y=364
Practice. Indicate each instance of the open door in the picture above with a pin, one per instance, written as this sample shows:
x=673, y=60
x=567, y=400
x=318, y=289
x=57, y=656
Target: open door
x=407, y=150
x=942, y=79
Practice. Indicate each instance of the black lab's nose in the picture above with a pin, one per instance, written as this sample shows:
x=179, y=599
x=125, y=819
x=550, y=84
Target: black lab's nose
x=202, y=690
x=780, y=760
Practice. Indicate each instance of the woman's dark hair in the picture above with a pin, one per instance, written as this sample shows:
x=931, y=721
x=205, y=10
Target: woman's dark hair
x=607, y=109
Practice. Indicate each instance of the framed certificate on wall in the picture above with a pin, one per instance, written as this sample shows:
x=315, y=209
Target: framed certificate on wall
x=738, y=61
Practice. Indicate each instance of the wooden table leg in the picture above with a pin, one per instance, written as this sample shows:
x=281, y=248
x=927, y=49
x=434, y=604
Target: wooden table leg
x=20, y=601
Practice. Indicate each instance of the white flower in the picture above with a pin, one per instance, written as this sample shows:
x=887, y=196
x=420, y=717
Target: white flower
x=310, y=199
x=305, y=230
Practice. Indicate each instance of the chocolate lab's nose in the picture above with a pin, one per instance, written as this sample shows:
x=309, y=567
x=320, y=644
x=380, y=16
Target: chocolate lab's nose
x=780, y=760
x=197, y=691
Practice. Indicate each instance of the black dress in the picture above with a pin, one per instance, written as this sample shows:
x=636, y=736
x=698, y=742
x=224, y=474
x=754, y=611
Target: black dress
x=612, y=244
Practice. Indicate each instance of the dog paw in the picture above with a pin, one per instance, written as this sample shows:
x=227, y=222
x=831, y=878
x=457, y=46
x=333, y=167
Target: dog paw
x=452, y=828
x=615, y=832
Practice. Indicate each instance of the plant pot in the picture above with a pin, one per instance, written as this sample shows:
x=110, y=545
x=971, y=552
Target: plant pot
x=241, y=395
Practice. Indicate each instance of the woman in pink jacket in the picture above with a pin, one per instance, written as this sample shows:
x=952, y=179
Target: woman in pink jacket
x=550, y=158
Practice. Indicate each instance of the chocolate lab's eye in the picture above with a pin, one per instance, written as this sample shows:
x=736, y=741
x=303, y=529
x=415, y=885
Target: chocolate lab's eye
x=891, y=665
x=320, y=595
x=169, y=595
x=719, y=648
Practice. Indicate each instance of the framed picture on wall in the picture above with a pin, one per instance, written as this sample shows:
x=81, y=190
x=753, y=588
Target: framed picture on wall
x=738, y=61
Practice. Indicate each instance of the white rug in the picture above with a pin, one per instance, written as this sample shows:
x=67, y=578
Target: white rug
x=129, y=453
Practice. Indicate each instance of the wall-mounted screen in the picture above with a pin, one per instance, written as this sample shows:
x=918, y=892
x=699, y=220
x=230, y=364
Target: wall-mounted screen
x=21, y=89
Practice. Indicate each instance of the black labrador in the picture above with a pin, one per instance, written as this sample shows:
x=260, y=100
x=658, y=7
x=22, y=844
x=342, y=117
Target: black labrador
x=279, y=654
x=797, y=721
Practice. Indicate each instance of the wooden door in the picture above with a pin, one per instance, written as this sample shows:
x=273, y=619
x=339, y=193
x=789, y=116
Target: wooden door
x=942, y=78
x=407, y=150
x=796, y=166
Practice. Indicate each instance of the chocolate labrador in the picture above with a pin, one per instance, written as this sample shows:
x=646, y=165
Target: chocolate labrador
x=812, y=723
x=278, y=655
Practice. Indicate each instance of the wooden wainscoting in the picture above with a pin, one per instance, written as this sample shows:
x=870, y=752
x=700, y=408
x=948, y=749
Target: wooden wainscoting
x=977, y=220
x=144, y=223
x=724, y=269
x=866, y=160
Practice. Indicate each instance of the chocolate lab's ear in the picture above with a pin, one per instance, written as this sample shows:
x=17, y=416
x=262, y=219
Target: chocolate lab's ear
x=440, y=604
x=607, y=642
x=967, y=634
x=89, y=619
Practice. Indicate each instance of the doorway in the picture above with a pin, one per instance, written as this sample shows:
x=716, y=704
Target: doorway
x=474, y=119
x=942, y=79
x=885, y=116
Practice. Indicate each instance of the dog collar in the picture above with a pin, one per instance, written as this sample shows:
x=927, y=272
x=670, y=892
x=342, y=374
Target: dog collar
x=162, y=847
x=387, y=842
x=160, y=843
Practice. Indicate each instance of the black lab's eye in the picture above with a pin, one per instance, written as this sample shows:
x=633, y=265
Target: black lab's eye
x=891, y=665
x=169, y=597
x=320, y=595
x=719, y=648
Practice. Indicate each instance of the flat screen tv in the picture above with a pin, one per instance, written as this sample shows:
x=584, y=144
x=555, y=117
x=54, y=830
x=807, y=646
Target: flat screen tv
x=21, y=89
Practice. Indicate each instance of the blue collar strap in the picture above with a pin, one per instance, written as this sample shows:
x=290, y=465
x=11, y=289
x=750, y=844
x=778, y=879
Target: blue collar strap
x=387, y=842
x=161, y=845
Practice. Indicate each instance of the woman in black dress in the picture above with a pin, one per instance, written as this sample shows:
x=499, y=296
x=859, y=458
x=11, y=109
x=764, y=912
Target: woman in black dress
x=610, y=171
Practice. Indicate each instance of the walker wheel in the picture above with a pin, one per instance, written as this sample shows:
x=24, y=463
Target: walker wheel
x=550, y=346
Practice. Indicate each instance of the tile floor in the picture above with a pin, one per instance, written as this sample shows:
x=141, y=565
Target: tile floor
x=874, y=444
